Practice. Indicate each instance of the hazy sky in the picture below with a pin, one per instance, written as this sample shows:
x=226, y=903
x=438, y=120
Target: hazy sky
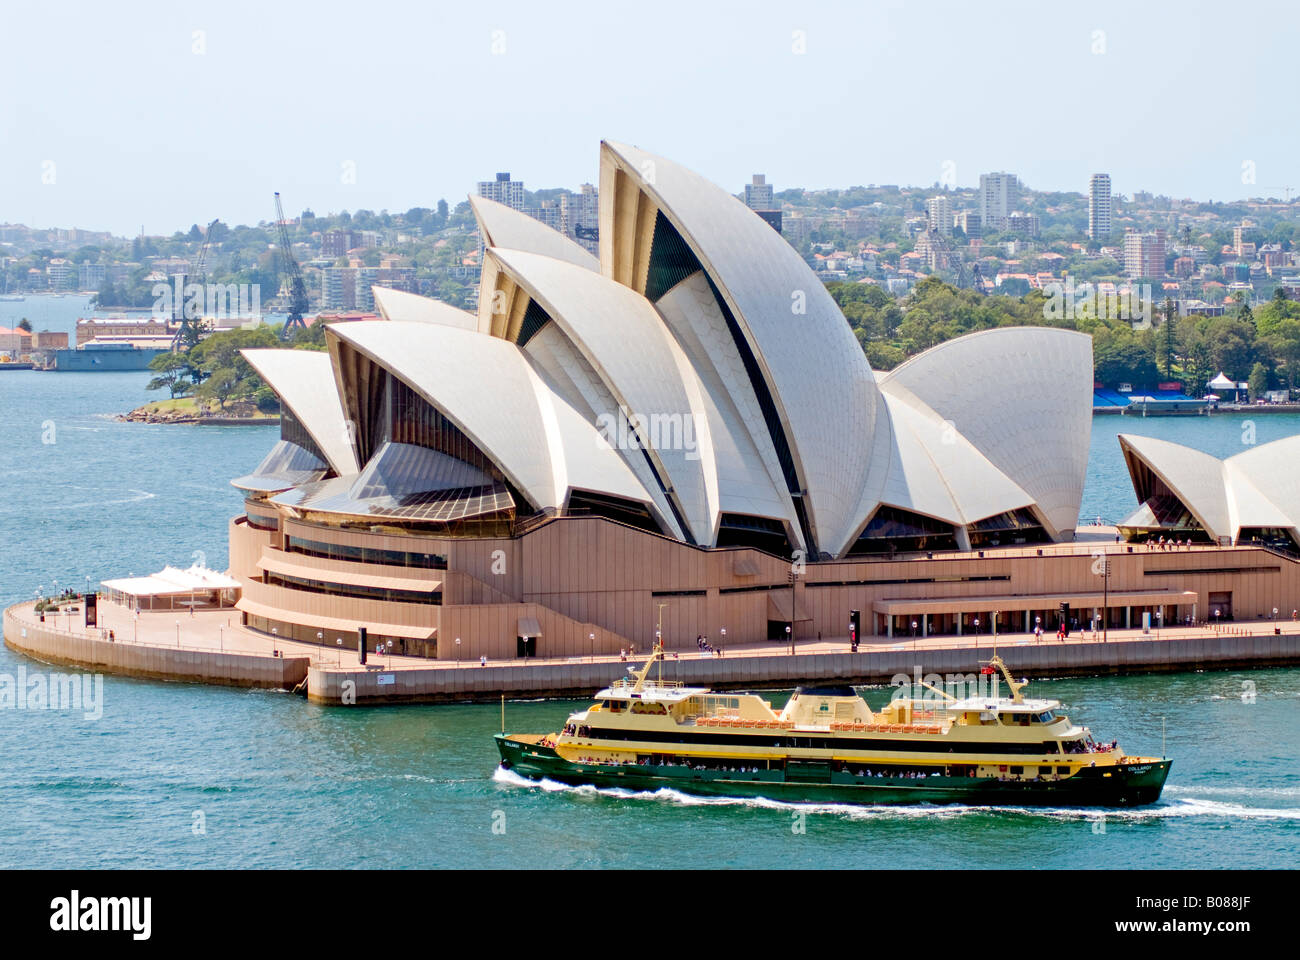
x=140, y=121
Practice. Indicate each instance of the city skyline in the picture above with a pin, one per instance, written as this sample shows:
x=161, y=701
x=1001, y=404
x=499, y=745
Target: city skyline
x=239, y=113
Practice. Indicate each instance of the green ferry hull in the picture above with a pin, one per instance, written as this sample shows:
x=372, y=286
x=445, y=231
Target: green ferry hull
x=1125, y=785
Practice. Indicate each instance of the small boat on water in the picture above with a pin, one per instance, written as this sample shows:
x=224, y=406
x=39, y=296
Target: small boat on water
x=828, y=745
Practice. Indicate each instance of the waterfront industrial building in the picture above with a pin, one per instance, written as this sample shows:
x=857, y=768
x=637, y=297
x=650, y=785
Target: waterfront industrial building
x=682, y=435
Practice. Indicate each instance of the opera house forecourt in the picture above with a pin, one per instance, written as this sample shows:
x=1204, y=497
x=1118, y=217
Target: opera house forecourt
x=684, y=435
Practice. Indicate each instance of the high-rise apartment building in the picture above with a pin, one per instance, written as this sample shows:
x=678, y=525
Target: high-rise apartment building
x=503, y=190
x=580, y=216
x=336, y=243
x=998, y=195
x=1099, y=207
x=1023, y=225
x=91, y=276
x=970, y=224
x=1144, y=254
x=338, y=288
x=758, y=194
x=363, y=296
x=938, y=214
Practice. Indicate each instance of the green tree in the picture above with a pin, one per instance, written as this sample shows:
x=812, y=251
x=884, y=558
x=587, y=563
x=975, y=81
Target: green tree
x=25, y=324
x=1169, y=341
x=1244, y=313
x=1258, y=383
x=1231, y=343
x=1124, y=360
x=173, y=374
x=222, y=384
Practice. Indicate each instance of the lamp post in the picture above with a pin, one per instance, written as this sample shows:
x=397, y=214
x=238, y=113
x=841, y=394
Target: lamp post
x=458, y=650
x=338, y=643
x=178, y=633
x=591, y=645
x=913, y=635
x=1105, y=597
x=977, y=636
x=221, y=637
x=794, y=614
x=790, y=633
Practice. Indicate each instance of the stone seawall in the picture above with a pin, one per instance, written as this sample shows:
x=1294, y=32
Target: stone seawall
x=579, y=680
x=150, y=661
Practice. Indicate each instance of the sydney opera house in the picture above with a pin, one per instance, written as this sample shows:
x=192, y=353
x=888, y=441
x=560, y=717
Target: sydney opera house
x=684, y=435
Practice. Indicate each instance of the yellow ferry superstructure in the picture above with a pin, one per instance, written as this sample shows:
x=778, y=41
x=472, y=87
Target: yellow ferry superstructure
x=827, y=741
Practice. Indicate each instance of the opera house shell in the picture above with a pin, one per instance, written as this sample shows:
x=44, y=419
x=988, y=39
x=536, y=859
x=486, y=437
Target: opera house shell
x=661, y=434
x=1184, y=494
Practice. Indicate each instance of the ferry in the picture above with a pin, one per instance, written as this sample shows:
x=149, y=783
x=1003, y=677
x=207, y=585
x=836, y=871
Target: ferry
x=828, y=745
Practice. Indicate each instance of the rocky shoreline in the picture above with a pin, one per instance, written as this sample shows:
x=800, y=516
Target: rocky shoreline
x=235, y=414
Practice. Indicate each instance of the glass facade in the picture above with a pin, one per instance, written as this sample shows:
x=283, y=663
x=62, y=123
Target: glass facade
x=352, y=590
x=354, y=554
x=892, y=529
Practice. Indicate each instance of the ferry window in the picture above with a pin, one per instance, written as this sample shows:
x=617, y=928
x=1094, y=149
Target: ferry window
x=614, y=706
x=1062, y=769
x=1044, y=770
x=1047, y=717
x=1017, y=769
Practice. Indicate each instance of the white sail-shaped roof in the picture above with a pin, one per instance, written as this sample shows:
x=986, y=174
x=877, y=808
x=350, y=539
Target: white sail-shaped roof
x=1256, y=489
x=487, y=389
x=1022, y=396
x=823, y=391
x=400, y=305
x=1194, y=477
x=750, y=480
x=648, y=377
x=937, y=472
x=1271, y=470
x=304, y=382
x=504, y=227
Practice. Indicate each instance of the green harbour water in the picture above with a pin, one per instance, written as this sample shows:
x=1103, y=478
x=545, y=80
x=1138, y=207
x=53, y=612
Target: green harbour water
x=276, y=782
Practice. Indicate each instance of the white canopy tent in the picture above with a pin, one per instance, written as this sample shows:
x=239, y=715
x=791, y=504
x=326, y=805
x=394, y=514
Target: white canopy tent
x=172, y=589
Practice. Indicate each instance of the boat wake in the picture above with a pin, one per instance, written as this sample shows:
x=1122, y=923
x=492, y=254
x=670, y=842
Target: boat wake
x=139, y=495
x=1185, y=807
